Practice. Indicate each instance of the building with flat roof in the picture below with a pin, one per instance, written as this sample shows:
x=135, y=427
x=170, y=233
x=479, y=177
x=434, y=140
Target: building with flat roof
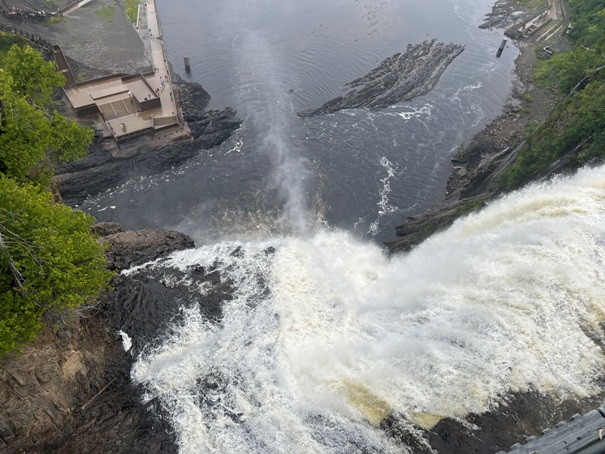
x=124, y=105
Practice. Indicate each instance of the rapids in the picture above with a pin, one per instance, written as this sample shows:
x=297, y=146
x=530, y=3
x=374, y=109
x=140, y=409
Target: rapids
x=325, y=336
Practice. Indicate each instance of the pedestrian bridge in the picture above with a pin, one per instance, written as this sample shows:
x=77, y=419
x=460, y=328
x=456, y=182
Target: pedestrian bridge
x=580, y=435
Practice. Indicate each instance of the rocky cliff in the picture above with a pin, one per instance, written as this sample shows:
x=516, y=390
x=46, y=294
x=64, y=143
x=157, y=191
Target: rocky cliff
x=70, y=391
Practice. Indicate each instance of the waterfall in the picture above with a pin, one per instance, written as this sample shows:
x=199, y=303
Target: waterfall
x=325, y=336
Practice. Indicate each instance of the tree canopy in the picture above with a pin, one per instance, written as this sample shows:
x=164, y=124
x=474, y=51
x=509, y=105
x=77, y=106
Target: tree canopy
x=32, y=137
x=588, y=23
x=49, y=261
x=576, y=128
x=49, y=258
x=564, y=71
x=31, y=76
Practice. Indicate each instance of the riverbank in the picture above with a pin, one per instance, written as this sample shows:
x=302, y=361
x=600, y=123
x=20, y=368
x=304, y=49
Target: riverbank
x=477, y=164
x=70, y=391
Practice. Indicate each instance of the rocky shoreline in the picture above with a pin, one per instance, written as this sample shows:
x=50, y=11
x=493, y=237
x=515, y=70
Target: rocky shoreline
x=101, y=171
x=70, y=391
x=477, y=165
x=402, y=77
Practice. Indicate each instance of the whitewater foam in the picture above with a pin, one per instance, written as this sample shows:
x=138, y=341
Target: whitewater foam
x=326, y=336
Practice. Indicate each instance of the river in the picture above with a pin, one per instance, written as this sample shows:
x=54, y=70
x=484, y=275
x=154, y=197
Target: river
x=358, y=170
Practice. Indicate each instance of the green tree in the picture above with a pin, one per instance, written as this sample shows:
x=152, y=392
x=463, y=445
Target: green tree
x=7, y=40
x=565, y=70
x=33, y=138
x=49, y=261
x=32, y=77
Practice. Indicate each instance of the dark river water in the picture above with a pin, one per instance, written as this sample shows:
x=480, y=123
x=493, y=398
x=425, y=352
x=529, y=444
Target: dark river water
x=357, y=170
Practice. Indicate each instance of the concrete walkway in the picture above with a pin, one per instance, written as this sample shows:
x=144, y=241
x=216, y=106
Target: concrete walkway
x=539, y=21
x=162, y=82
x=73, y=7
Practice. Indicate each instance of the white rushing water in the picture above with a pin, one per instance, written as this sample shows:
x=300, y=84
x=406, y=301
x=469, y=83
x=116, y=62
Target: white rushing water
x=327, y=336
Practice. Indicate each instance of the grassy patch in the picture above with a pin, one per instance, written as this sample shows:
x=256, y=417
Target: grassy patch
x=53, y=19
x=132, y=9
x=106, y=14
x=532, y=3
x=6, y=42
x=526, y=96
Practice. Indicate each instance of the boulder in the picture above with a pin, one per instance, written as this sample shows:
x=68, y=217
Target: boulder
x=135, y=247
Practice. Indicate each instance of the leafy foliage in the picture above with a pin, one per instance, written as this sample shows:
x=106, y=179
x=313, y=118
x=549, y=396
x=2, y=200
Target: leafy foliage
x=578, y=123
x=31, y=76
x=7, y=40
x=564, y=71
x=49, y=261
x=589, y=23
x=33, y=138
x=576, y=129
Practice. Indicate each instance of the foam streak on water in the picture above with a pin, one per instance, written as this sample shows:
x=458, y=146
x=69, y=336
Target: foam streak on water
x=327, y=336
x=383, y=204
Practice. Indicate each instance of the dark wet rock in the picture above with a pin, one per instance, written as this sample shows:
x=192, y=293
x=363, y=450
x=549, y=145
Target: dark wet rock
x=107, y=228
x=152, y=300
x=512, y=421
x=402, y=77
x=418, y=228
x=211, y=127
x=503, y=14
x=71, y=392
x=397, y=427
x=194, y=98
x=97, y=156
x=135, y=247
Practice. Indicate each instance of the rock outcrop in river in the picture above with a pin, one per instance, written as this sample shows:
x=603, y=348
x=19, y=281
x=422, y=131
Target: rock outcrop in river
x=402, y=77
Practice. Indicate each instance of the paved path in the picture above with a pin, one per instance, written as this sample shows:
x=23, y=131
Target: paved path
x=159, y=62
x=552, y=9
x=73, y=7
